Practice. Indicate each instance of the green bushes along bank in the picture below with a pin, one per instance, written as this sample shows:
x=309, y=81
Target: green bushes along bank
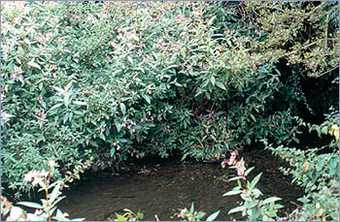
x=118, y=81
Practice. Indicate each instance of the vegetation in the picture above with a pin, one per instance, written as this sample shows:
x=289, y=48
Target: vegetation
x=47, y=210
x=98, y=84
x=255, y=208
x=193, y=215
x=129, y=216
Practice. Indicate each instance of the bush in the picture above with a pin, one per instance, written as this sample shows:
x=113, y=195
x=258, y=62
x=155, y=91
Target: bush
x=317, y=172
x=48, y=209
x=123, y=80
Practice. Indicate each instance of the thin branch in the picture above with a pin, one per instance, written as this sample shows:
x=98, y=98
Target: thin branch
x=318, y=76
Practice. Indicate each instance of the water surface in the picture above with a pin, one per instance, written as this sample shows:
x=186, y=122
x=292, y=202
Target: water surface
x=163, y=189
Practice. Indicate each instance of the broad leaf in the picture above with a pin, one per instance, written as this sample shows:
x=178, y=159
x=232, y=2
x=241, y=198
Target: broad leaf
x=236, y=209
x=232, y=192
x=270, y=200
x=30, y=204
x=213, y=216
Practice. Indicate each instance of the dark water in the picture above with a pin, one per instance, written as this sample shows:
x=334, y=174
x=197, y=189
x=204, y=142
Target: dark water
x=162, y=190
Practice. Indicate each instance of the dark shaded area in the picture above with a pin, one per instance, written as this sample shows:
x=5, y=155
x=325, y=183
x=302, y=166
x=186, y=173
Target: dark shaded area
x=161, y=188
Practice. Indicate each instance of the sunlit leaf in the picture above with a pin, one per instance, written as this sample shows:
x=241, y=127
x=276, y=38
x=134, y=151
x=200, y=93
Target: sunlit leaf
x=30, y=204
x=213, y=216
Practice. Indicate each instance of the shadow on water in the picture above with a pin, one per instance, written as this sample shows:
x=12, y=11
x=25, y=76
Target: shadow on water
x=163, y=189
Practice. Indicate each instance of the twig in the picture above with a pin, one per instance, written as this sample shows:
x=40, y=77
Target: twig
x=304, y=47
x=292, y=202
x=318, y=76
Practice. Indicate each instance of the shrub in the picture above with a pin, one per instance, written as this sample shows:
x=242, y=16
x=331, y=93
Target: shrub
x=317, y=172
x=47, y=210
x=127, y=80
x=253, y=206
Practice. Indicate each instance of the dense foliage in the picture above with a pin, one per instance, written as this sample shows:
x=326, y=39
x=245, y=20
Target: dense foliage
x=317, y=172
x=47, y=210
x=117, y=81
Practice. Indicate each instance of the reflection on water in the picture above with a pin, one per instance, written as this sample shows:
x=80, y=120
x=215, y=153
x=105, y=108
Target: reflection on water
x=162, y=192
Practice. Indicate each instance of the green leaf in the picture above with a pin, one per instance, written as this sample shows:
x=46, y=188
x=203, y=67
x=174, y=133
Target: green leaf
x=252, y=117
x=236, y=209
x=232, y=192
x=147, y=98
x=55, y=107
x=248, y=171
x=120, y=218
x=213, y=80
x=185, y=156
x=213, y=216
x=118, y=125
x=270, y=200
x=324, y=130
x=192, y=208
x=33, y=64
x=220, y=85
x=58, y=89
x=235, y=178
x=55, y=192
x=112, y=152
x=200, y=215
x=122, y=108
x=139, y=215
x=34, y=217
x=67, y=99
x=130, y=59
x=255, y=181
x=30, y=204
x=80, y=103
x=59, y=216
x=250, y=204
x=256, y=192
x=68, y=86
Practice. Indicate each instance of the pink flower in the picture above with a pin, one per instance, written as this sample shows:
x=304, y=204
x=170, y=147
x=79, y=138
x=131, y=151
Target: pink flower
x=182, y=213
x=38, y=211
x=35, y=176
x=240, y=167
x=232, y=159
x=239, y=164
x=30, y=175
x=224, y=163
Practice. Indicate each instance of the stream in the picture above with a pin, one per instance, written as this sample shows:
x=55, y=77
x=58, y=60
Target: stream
x=164, y=188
